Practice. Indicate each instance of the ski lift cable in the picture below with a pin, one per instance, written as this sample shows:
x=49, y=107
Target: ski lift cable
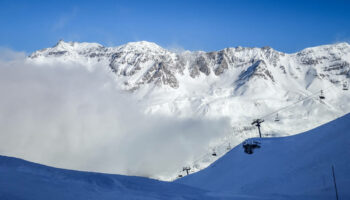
x=201, y=157
x=208, y=154
x=288, y=106
x=225, y=143
x=307, y=97
x=284, y=108
x=326, y=103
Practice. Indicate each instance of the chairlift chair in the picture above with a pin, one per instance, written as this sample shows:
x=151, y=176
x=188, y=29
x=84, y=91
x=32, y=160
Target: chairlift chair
x=228, y=147
x=345, y=85
x=277, y=119
x=321, y=95
x=213, y=152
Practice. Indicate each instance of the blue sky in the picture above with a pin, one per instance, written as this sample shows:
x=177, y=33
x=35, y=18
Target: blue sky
x=285, y=25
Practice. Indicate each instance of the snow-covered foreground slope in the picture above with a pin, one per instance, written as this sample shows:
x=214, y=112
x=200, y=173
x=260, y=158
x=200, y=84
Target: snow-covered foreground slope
x=293, y=167
x=299, y=166
x=23, y=180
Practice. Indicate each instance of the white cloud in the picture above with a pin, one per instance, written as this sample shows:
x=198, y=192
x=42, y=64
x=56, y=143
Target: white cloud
x=174, y=47
x=73, y=118
x=7, y=54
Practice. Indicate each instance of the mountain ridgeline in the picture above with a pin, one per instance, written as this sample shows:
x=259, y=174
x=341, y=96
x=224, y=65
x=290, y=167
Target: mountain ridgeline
x=144, y=62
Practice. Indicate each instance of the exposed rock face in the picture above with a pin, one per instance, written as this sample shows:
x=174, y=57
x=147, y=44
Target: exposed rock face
x=143, y=62
x=258, y=69
x=221, y=62
x=202, y=65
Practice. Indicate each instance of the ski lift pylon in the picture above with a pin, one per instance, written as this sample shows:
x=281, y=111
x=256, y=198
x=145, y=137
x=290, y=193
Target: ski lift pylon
x=187, y=169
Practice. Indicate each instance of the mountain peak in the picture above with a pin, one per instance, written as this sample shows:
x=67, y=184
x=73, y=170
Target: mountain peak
x=342, y=44
x=63, y=45
x=327, y=47
x=142, y=45
x=61, y=42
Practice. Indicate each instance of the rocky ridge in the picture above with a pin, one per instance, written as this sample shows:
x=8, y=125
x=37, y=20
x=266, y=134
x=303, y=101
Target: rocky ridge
x=141, y=63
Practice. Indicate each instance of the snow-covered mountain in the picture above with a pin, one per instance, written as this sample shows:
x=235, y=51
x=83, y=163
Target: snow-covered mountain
x=239, y=83
x=295, y=167
x=145, y=62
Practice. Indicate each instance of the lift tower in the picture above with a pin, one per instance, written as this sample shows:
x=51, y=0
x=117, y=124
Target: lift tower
x=186, y=169
x=257, y=123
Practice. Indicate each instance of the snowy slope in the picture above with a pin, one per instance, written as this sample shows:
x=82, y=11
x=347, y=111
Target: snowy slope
x=293, y=167
x=240, y=83
x=23, y=180
x=298, y=166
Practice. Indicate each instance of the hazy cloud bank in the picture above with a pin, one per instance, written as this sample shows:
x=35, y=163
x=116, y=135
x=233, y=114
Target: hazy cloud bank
x=74, y=118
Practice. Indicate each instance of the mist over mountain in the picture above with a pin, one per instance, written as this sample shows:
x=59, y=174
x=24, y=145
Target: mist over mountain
x=240, y=84
x=70, y=117
x=149, y=100
x=213, y=84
